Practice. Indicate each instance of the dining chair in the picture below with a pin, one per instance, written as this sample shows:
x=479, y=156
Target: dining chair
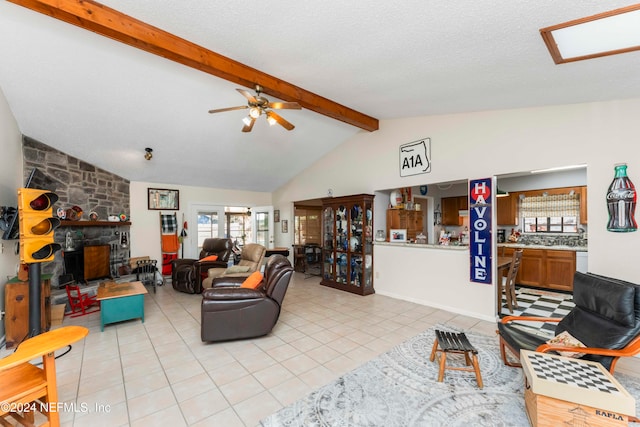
x=509, y=281
x=80, y=301
x=31, y=387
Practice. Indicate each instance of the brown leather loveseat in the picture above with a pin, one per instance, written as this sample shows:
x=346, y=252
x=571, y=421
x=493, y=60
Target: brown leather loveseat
x=230, y=312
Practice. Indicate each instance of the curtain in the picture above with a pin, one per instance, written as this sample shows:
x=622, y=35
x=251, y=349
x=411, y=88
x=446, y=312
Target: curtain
x=555, y=205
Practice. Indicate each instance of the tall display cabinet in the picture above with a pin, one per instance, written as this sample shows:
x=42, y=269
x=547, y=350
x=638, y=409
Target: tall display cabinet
x=347, y=248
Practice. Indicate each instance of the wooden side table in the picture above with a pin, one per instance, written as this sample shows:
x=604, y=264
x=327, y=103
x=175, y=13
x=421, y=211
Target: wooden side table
x=120, y=302
x=567, y=391
x=16, y=298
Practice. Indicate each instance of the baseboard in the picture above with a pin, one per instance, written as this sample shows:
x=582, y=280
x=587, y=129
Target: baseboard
x=438, y=306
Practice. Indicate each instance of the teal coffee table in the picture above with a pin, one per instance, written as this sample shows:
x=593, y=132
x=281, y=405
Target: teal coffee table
x=120, y=302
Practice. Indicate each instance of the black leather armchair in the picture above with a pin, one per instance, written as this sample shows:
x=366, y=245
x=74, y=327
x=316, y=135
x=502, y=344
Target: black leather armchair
x=230, y=312
x=606, y=319
x=188, y=273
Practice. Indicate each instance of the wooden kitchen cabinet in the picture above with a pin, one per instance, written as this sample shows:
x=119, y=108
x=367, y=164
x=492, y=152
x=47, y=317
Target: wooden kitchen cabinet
x=16, y=299
x=507, y=210
x=412, y=221
x=450, y=209
x=545, y=268
x=583, y=205
x=560, y=267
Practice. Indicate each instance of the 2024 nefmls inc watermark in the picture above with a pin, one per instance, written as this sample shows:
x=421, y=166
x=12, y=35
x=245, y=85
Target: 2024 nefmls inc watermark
x=43, y=407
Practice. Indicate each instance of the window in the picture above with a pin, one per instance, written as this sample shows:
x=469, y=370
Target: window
x=306, y=223
x=207, y=227
x=556, y=213
x=237, y=225
x=262, y=228
x=568, y=224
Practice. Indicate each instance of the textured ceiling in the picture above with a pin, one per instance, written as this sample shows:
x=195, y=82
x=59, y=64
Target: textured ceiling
x=104, y=102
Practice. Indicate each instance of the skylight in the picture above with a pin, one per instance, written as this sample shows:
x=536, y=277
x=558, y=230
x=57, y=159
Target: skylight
x=608, y=33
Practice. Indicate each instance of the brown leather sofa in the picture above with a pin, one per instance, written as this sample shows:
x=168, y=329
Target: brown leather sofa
x=251, y=260
x=188, y=273
x=230, y=312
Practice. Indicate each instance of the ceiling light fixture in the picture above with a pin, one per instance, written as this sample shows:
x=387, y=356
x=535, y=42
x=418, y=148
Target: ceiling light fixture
x=559, y=168
x=255, y=112
x=270, y=119
x=247, y=121
x=608, y=33
x=148, y=153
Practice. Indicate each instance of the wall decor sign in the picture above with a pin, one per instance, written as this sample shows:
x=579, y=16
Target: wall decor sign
x=276, y=215
x=161, y=198
x=415, y=157
x=480, y=214
x=285, y=226
x=621, y=202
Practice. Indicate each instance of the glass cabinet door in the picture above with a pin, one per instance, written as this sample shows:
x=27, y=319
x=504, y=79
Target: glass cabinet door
x=328, y=243
x=367, y=246
x=342, y=244
x=355, y=245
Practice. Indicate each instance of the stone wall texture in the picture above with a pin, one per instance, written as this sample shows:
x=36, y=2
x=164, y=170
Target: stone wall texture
x=78, y=183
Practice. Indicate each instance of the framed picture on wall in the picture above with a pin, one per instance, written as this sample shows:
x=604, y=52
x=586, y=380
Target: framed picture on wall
x=163, y=199
x=276, y=215
x=285, y=226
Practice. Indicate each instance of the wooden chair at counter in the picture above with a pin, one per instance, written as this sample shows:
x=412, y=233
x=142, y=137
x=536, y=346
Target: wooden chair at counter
x=508, y=283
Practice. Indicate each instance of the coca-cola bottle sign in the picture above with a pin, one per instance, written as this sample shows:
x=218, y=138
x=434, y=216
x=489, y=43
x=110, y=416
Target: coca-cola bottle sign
x=621, y=202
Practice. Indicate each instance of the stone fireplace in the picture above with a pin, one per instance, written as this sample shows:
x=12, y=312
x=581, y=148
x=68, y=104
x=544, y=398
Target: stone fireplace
x=78, y=183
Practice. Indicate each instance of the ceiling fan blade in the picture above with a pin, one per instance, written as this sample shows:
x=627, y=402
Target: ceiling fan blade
x=282, y=122
x=247, y=128
x=247, y=95
x=221, y=110
x=285, y=105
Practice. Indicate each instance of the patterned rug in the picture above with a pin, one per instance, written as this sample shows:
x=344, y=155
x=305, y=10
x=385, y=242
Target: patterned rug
x=399, y=388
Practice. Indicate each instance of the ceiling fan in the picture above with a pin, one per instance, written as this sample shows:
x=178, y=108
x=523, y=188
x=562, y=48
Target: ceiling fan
x=259, y=105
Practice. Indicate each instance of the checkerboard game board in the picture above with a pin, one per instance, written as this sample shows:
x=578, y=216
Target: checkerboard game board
x=532, y=302
x=565, y=371
x=574, y=381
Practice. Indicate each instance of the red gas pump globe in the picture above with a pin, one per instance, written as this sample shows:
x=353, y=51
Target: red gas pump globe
x=480, y=193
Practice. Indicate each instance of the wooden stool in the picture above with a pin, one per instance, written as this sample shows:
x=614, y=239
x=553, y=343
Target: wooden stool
x=450, y=342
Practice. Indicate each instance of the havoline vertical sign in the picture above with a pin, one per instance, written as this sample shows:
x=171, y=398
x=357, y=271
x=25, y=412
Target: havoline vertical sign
x=480, y=214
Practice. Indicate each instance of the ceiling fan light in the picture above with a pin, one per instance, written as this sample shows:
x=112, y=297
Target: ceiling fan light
x=271, y=120
x=247, y=121
x=255, y=112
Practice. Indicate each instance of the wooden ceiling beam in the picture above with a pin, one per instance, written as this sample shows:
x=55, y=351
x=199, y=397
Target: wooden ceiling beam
x=108, y=22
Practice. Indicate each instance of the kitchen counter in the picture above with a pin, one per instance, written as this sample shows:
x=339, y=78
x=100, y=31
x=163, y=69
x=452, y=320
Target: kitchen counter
x=423, y=246
x=552, y=247
x=500, y=245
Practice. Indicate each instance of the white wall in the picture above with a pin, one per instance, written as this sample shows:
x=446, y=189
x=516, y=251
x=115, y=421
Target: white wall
x=10, y=180
x=145, y=224
x=483, y=144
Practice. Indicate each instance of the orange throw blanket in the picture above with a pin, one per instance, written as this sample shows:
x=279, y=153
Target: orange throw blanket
x=170, y=243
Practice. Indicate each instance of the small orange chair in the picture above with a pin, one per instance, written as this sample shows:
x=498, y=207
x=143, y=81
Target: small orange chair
x=25, y=385
x=80, y=302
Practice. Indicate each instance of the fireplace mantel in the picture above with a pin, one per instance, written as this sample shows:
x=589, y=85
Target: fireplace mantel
x=67, y=223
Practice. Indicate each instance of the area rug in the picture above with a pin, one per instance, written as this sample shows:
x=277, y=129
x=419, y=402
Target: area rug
x=399, y=388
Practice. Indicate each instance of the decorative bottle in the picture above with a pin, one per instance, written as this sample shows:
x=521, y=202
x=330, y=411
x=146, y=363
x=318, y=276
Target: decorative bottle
x=621, y=202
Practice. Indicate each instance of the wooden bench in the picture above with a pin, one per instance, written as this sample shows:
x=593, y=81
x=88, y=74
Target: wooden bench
x=450, y=342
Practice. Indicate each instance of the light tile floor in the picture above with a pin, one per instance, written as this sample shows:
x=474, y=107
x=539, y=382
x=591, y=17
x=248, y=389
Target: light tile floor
x=159, y=373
